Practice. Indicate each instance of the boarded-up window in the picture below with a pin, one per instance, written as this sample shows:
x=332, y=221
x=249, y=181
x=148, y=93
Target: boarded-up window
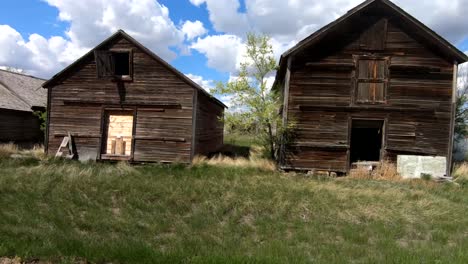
x=114, y=64
x=119, y=132
x=104, y=63
x=372, y=80
x=374, y=37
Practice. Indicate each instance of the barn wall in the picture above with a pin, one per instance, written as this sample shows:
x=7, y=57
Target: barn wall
x=161, y=99
x=209, y=127
x=321, y=100
x=19, y=127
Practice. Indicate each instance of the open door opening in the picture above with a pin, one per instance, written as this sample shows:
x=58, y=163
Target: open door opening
x=117, y=140
x=366, y=140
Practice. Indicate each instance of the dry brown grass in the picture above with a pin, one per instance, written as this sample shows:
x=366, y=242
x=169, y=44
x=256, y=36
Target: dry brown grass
x=10, y=149
x=220, y=160
x=385, y=171
x=6, y=150
x=254, y=161
x=460, y=172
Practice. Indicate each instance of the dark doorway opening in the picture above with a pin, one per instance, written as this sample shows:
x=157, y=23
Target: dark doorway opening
x=121, y=63
x=366, y=140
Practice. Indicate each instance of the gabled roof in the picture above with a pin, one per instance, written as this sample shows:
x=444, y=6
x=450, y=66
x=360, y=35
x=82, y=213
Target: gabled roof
x=427, y=34
x=120, y=33
x=21, y=92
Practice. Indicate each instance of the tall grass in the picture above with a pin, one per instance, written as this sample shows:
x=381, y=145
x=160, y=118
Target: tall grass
x=223, y=210
x=385, y=171
x=255, y=160
x=460, y=173
x=10, y=149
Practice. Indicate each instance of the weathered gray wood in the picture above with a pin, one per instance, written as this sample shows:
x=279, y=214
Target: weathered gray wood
x=162, y=102
x=417, y=106
x=452, y=120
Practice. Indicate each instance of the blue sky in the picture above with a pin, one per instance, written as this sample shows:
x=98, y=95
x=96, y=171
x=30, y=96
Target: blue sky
x=35, y=16
x=202, y=38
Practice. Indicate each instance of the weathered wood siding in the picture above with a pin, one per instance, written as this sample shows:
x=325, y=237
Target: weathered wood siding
x=322, y=101
x=162, y=133
x=19, y=127
x=209, y=127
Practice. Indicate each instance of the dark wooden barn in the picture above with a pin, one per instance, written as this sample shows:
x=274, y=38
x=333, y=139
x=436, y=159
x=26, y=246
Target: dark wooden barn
x=372, y=85
x=20, y=96
x=121, y=101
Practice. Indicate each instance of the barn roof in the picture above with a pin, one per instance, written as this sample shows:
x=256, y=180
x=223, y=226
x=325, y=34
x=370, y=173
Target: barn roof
x=430, y=37
x=21, y=92
x=120, y=33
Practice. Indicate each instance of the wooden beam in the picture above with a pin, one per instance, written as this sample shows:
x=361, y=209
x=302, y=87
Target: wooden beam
x=173, y=139
x=77, y=135
x=164, y=105
x=452, y=119
x=320, y=145
x=361, y=107
x=329, y=65
x=46, y=141
x=132, y=150
x=413, y=151
x=285, y=104
x=194, y=124
x=406, y=67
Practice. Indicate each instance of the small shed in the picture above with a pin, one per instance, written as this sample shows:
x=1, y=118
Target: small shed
x=20, y=96
x=120, y=101
x=372, y=85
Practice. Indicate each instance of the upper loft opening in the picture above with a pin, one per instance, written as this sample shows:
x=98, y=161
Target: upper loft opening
x=114, y=64
x=121, y=63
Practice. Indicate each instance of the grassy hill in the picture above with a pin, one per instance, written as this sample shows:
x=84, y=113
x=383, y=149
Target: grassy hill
x=67, y=211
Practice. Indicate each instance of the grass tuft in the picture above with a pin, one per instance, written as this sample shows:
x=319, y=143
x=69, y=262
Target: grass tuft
x=6, y=150
x=255, y=160
x=223, y=210
x=10, y=149
x=385, y=171
x=460, y=173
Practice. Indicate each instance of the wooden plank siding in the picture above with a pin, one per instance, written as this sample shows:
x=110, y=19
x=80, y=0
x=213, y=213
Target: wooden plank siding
x=19, y=127
x=162, y=103
x=322, y=98
x=209, y=128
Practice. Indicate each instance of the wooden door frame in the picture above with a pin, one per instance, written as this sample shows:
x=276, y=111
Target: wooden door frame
x=383, y=146
x=105, y=109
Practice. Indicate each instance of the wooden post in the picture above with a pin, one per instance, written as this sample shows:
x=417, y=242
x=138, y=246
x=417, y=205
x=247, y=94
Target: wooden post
x=285, y=107
x=452, y=119
x=113, y=143
x=118, y=146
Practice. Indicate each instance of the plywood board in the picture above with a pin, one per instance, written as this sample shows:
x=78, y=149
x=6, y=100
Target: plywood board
x=119, y=135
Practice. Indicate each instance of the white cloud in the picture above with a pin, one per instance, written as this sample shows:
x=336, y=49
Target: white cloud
x=193, y=29
x=146, y=20
x=289, y=21
x=37, y=55
x=222, y=51
x=205, y=84
x=224, y=15
x=286, y=21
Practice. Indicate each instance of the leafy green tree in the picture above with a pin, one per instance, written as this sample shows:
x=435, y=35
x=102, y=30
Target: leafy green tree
x=254, y=104
x=461, y=113
x=42, y=116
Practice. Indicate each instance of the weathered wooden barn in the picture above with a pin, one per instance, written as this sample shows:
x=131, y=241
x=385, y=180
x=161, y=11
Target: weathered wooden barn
x=20, y=96
x=372, y=85
x=121, y=101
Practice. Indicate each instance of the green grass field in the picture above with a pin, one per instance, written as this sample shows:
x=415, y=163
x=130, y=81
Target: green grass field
x=67, y=211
